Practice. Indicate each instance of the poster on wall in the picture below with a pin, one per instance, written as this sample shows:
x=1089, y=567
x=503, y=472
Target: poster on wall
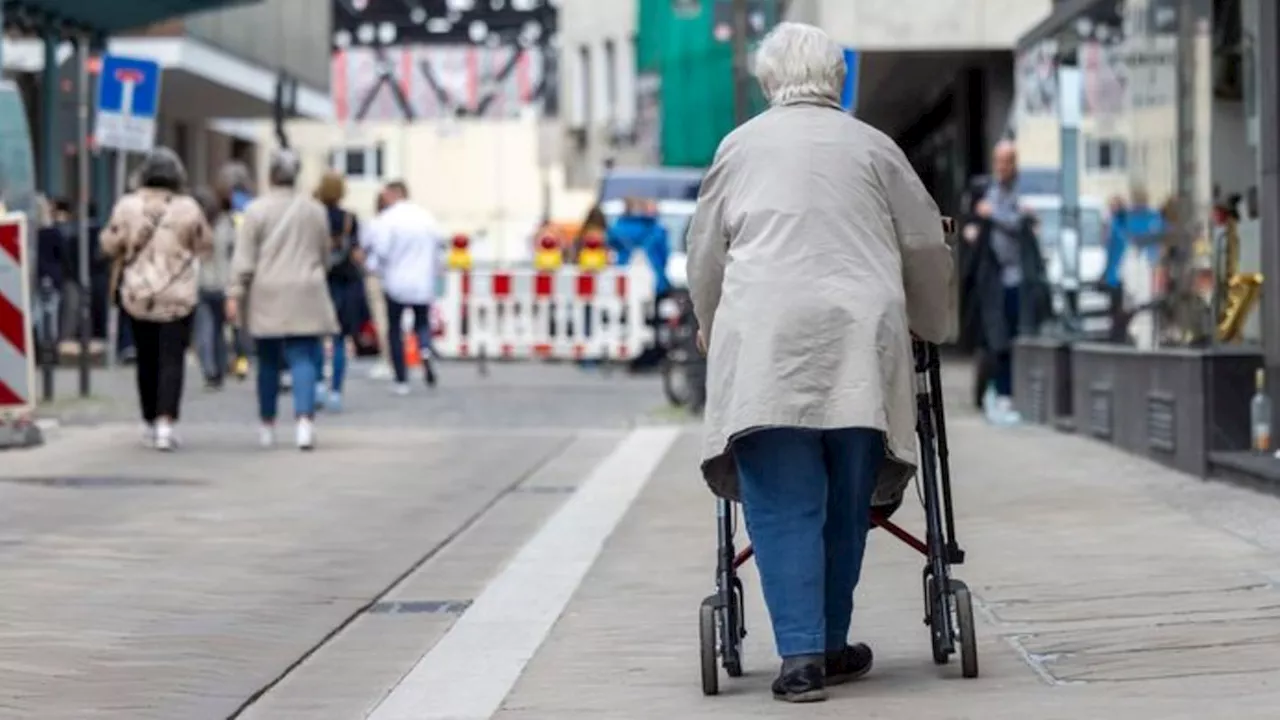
x=1105, y=79
x=1037, y=79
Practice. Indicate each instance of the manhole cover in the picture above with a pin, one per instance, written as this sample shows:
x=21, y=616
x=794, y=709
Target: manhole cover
x=99, y=482
x=420, y=607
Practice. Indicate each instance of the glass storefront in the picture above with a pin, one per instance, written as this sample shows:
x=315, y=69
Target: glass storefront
x=1146, y=111
x=1171, y=137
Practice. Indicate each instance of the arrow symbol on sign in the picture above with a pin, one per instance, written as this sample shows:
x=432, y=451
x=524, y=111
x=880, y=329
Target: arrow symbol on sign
x=129, y=79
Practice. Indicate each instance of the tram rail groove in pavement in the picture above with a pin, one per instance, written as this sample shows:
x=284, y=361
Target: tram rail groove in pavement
x=555, y=451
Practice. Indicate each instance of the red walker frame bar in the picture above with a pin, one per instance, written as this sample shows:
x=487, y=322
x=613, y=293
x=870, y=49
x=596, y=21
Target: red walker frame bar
x=877, y=520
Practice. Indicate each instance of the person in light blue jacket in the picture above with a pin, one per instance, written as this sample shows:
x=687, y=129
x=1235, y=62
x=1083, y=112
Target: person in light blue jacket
x=638, y=229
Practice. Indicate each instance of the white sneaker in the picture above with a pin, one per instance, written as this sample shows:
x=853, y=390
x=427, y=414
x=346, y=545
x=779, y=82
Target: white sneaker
x=334, y=402
x=401, y=389
x=381, y=371
x=267, y=436
x=305, y=434
x=149, y=436
x=165, y=440
x=1003, y=413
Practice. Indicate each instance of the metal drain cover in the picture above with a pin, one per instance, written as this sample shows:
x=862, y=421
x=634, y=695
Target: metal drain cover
x=98, y=482
x=420, y=607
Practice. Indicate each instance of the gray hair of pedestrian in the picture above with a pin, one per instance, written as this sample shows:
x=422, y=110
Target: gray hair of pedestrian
x=234, y=176
x=162, y=169
x=283, y=168
x=796, y=61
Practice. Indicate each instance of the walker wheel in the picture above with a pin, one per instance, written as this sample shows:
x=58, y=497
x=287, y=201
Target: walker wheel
x=965, y=626
x=707, y=641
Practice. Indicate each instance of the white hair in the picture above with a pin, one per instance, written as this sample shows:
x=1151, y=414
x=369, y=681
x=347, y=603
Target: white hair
x=797, y=61
x=283, y=167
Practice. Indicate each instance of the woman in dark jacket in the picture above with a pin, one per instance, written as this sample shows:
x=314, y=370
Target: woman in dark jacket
x=346, y=281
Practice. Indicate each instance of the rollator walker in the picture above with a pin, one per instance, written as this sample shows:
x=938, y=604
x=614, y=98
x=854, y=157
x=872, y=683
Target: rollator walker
x=948, y=605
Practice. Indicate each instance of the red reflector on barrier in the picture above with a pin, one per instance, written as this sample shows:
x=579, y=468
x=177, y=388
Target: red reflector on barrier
x=543, y=284
x=586, y=285
x=501, y=285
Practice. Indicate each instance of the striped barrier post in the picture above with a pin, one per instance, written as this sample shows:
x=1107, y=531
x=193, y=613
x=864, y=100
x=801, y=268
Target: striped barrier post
x=17, y=350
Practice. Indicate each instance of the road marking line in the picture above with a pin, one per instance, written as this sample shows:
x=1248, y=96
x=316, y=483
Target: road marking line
x=470, y=671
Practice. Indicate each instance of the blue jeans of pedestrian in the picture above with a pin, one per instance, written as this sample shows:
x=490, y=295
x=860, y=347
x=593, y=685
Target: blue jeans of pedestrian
x=211, y=334
x=339, y=371
x=806, y=496
x=299, y=354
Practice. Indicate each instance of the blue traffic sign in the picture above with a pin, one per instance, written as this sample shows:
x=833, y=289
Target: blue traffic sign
x=128, y=101
x=129, y=86
x=849, y=97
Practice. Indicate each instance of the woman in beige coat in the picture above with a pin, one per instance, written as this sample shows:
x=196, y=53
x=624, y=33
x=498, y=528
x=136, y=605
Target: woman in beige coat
x=278, y=276
x=157, y=236
x=813, y=249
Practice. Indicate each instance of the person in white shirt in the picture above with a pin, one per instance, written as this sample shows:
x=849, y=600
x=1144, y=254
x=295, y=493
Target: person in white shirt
x=404, y=247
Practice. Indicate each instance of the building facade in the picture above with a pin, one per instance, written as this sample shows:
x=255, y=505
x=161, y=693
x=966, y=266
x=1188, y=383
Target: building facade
x=217, y=65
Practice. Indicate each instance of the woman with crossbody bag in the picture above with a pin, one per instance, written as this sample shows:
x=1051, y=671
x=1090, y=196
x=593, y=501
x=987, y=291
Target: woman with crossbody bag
x=156, y=237
x=278, y=273
x=346, y=281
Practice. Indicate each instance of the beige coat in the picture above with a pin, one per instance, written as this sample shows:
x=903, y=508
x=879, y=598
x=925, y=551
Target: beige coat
x=157, y=238
x=813, y=249
x=279, y=267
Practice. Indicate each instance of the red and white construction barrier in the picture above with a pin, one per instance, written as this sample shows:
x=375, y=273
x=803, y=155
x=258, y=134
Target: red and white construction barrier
x=17, y=350
x=566, y=314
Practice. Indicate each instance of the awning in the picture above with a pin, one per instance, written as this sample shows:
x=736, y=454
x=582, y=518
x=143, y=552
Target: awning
x=106, y=16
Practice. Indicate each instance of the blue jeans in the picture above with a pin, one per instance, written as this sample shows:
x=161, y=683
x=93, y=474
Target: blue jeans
x=806, y=496
x=299, y=353
x=339, y=362
x=211, y=334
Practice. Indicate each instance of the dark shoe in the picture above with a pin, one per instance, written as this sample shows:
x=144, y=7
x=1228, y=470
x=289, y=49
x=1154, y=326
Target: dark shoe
x=847, y=664
x=800, y=685
x=431, y=374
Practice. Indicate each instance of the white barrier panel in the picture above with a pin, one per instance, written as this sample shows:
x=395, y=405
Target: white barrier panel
x=17, y=351
x=567, y=314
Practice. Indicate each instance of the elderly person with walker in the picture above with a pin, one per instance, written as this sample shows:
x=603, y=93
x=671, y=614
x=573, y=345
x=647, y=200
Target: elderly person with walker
x=814, y=255
x=278, y=272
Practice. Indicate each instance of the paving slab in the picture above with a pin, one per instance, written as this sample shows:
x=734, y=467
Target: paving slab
x=149, y=585
x=1103, y=591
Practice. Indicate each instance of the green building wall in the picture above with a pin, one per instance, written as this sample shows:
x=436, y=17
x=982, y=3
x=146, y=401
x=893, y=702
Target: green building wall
x=696, y=75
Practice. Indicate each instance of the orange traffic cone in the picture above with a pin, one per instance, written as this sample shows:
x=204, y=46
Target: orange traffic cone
x=412, y=353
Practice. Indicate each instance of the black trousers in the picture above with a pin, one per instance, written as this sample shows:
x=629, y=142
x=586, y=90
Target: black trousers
x=161, y=361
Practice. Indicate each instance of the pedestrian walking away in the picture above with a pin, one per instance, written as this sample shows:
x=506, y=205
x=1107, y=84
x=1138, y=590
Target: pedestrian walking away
x=215, y=272
x=278, y=290
x=814, y=253
x=157, y=235
x=346, y=283
x=404, y=248
x=1009, y=280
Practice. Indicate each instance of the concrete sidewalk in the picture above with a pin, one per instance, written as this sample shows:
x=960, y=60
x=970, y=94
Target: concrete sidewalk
x=1108, y=587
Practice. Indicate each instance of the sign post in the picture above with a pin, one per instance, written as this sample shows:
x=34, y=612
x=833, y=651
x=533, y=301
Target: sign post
x=128, y=100
x=849, y=94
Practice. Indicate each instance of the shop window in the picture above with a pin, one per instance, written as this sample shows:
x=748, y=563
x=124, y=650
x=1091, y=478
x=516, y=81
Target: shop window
x=359, y=162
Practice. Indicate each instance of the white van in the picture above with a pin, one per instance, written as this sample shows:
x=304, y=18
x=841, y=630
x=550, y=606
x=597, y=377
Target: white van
x=1062, y=250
